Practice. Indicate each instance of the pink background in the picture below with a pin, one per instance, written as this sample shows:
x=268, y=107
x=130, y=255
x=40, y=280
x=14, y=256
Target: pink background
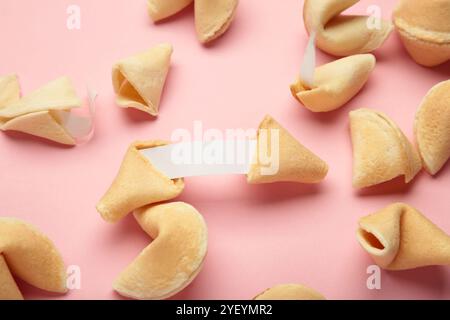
x=259, y=236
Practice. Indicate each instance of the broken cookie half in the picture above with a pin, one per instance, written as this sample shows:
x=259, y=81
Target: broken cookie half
x=149, y=172
x=143, y=180
x=138, y=183
x=295, y=162
x=381, y=152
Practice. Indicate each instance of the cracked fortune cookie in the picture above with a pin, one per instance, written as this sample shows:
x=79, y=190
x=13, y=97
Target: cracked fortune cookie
x=174, y=257
x=138, y=183
x=289, y=292
x=28, y=254
x=343, y=35
x=295, y=163
x=399, y=237
x=335, y=83
x=432, y=127
x=424, y=28
x=212, y=17
x=41, y=113
x=381, y=152
x=139, y=80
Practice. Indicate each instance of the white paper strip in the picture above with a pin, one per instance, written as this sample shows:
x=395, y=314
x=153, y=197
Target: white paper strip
x=203, y=158
x=81, y=127
x=309, y=62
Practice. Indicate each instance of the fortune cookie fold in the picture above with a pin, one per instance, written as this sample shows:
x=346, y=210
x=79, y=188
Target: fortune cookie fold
x=138, y=183
x=399, y=237
x=432, y=127
x=139, y=80
x=28, y=254
x=39, y=113
x=161, y=9
x=343, y=35
x=291, y=161
x=289, y=292
x=381, y=152
x=212, y=17
x=424, y=29
x=335, y=83
x=174, y=257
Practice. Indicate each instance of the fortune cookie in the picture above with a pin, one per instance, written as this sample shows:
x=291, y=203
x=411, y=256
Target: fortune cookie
x=139, y=80
x=335, y=83
x=212, y=17
x=40, y=113
x=161, y=9
x=174, y=257
x=293, y=161
x=381, y=152
x=432, y=127
x=28, y=254
x=399, y=237
x=289, y=292
x=9, y=90
x=137, y=184
x=278, y=157
x=343, y=35
x=424, y=27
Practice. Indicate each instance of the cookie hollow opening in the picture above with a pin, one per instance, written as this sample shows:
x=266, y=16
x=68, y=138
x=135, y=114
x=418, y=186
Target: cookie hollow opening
x=371, y=240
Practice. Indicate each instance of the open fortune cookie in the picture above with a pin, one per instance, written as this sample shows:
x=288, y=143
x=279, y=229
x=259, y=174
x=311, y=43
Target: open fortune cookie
x=44, y=112
x=139, y=80
x=289, y=292
x=343, y=35
x=212, y=17
x=296, y=162
x=381, y=152
x=335, y=83
x=28, y=254
x=424, y=29
x=139, y=182
x=399, y=237
x=432, y=127
x=174, y=257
